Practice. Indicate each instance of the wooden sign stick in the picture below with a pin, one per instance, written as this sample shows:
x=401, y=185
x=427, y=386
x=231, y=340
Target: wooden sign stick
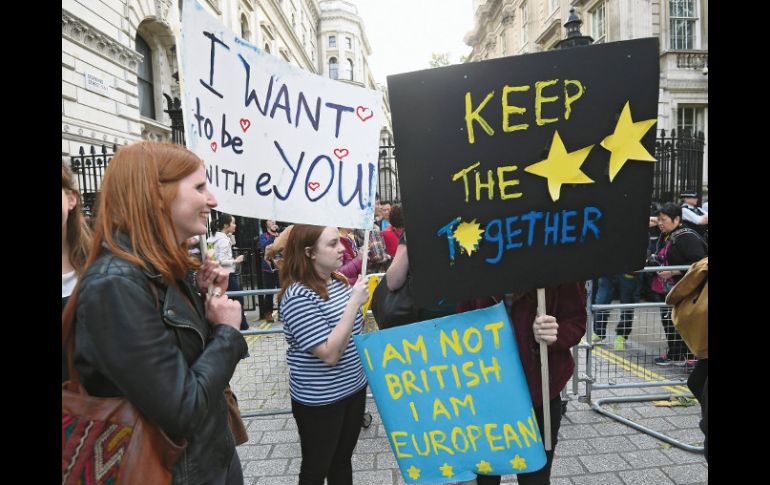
x=544, y=375
x=365, y=249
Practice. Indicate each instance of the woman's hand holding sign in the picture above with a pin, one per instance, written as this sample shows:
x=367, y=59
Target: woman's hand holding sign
x=545, y=329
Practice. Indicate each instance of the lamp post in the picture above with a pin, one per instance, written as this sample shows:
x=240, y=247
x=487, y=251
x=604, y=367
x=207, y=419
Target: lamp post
x=574, y=37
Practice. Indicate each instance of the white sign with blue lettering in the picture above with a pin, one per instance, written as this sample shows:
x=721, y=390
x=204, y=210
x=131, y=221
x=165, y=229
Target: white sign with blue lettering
x=279, y=142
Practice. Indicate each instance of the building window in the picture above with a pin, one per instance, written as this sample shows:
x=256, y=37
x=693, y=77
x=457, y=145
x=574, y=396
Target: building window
x=144, y=80
x=332, y=41
x=293, y=21
x=553, y=4
x=683, y=24
x=690, y=119
x=598, y=25
x=245, y=32
x=503, y=47
x=524, y=24
x=333, y=68
x=267, y=48
x=349, y=42
x=349, y=73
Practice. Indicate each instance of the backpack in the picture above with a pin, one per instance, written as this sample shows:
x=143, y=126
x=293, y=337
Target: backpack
x=690, y=299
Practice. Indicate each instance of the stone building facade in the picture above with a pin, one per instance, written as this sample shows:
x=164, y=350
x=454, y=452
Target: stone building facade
x=119, y=66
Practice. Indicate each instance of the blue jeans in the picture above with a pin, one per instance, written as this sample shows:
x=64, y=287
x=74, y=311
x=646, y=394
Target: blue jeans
x=628, y=285
x=234, y=285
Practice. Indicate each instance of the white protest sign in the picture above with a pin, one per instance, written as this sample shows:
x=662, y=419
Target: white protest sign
x=279, y=142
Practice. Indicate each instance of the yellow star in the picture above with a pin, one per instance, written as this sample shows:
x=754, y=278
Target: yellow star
x=561, y=167
x=626, y=142
x=519, y=463
x=414, y=472
x=446, y=470
x=484, y=467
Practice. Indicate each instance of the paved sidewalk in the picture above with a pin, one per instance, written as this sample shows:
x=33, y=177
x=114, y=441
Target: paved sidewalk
x=592, y=449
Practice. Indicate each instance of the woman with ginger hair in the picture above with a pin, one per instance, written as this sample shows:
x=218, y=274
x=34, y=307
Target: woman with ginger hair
x=141, y=331
x=320, y=313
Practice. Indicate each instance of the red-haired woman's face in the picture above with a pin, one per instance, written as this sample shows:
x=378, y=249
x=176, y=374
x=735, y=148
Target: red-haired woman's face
x=192, y=205
x=327, y=252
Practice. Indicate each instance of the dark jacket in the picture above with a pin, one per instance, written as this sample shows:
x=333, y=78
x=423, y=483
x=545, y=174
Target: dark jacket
x=157, y=349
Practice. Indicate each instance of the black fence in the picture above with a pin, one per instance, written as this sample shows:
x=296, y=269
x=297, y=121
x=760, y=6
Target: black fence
x=679, y=165
x=89, y=170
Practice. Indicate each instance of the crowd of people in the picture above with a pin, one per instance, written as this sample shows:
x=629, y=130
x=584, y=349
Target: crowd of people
x=146, y=321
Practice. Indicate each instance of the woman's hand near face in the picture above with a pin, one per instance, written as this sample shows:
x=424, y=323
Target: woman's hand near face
x=211, y=273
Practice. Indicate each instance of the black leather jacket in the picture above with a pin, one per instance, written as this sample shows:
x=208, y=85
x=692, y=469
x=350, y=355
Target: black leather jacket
x=156, y=349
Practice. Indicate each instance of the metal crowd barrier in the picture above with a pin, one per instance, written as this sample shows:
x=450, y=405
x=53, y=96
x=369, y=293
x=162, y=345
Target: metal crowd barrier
x=633, y=367
x=261, y=380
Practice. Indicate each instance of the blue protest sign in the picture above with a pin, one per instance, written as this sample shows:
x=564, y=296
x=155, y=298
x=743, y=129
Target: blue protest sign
x=453, y=397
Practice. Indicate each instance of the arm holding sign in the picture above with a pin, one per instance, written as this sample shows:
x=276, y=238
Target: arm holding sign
x=330, y=351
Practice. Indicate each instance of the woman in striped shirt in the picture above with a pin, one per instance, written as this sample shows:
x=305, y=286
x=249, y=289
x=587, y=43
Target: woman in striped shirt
x=320, y=312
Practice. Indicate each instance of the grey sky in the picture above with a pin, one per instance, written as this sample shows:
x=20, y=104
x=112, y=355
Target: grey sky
x=404, y=33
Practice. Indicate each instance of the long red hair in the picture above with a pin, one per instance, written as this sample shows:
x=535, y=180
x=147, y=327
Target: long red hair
x=138, y=188
x=298, y=267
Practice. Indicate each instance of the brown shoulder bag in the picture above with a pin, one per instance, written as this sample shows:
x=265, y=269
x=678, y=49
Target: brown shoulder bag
x=107, y=440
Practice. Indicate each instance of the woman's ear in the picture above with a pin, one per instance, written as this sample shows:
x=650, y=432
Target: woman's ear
x=72, y=200
x=309, y=252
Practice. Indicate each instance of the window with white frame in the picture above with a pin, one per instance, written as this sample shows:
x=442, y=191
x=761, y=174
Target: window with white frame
x=553, y=5
x=598, y=23
x=348, y=42
x=145, y=79
x=524, y=24
x=503, y=46
x=245, y=31
x=684, y=22
x=349, y=71
x=690, y=119
x=333, y=68
x=332, y=41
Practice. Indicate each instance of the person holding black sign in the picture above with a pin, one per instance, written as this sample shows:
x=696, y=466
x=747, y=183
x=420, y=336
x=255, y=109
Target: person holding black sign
x=561, y=328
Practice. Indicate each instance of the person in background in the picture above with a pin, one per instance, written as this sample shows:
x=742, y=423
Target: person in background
x=141, y=331
x=385, y=211
x=627, y=285
x=75, y=242
x=320, y=313
x=694, y=217
x=394, y=230
x=352, y=261
x=223, y=253
x=269, y=270
x=678, y=245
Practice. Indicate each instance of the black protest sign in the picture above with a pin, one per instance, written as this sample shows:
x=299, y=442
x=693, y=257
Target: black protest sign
x=526, y=171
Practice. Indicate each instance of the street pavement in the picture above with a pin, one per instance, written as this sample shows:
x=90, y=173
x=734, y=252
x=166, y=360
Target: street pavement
x=592, y=449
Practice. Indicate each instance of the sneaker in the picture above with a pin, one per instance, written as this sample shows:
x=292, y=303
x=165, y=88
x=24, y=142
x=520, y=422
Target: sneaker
x=597, y=340
x=620, y=343
x=662, y=360
x=689, y=363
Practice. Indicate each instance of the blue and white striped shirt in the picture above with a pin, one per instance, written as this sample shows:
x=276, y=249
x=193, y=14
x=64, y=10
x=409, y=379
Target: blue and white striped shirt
x=307, y=321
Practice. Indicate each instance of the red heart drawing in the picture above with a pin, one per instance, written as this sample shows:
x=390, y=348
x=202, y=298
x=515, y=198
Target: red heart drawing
x=341, y=153
x=313, y=185
x=362, y=113
x=245, y=124
x=214, y=146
